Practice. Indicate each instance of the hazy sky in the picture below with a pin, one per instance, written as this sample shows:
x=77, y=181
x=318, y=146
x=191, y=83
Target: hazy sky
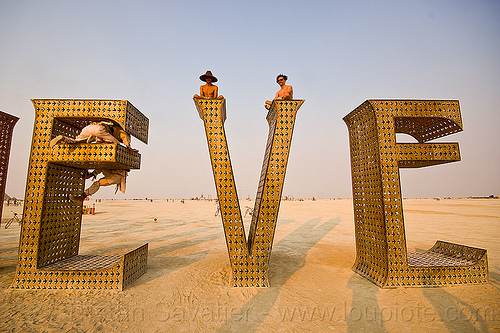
x=337, y=54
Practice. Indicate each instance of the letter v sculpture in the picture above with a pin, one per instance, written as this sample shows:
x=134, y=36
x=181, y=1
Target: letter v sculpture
x=250, y=259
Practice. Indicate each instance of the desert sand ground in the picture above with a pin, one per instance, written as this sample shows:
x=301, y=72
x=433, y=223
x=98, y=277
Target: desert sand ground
x=187, y=289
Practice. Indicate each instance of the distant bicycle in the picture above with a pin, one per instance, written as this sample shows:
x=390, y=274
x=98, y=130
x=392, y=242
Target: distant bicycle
x=218, y=209
x=13, y=218
x=249, y=211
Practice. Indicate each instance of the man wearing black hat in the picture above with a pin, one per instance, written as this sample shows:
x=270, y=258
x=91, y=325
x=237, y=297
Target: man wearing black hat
x=208, y=90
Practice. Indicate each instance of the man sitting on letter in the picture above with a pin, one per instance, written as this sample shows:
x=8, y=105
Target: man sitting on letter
x=208, y=90
x=286, y=92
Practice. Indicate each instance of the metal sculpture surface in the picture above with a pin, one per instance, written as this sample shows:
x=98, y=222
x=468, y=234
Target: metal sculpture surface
x=381, y=253
x=7, y=123
x=250, y=259
x=50, y=234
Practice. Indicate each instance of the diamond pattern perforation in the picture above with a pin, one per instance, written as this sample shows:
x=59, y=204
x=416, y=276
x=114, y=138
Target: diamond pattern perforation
x=50, y=234
x=120, y=111
x=7, y=123
x=91, y=156
x=249, y=260
x=381, y=253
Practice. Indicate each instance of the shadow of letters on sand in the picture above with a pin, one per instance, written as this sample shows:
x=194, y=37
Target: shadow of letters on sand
x=288, y=257
x=456, y=314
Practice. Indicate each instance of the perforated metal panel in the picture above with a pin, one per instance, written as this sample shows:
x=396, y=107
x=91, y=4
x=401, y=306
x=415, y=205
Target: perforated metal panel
x=50, y=234
x=7, y=123
x=250, y=260
x=381, y=253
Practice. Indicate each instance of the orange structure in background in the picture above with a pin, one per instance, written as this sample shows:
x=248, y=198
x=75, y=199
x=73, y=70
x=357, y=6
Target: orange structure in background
x=50, y=234
x=7, y=123
x=381, y=253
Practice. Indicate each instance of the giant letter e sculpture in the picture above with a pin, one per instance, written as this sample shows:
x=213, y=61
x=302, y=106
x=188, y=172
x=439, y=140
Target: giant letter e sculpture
x=50, y=234
x=250, y=260
x=376, y=157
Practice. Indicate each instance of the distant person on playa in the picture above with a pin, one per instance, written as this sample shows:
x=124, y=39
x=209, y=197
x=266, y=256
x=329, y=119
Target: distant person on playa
x=208, y=90
x=285, y=92
x=111, y=177
x=103, y=131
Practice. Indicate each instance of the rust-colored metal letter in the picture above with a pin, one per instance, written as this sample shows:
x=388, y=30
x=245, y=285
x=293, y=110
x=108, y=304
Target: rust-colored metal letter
x=7, y=123
x=50, y=233
x=250, y=260
x=381, y=254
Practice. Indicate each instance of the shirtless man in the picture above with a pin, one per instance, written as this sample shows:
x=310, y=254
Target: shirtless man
x=103, y=131
x=111, y=177
x=285, y=92
x=208, y=90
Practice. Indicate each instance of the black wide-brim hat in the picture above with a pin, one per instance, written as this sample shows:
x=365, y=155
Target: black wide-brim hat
x=208, y=74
